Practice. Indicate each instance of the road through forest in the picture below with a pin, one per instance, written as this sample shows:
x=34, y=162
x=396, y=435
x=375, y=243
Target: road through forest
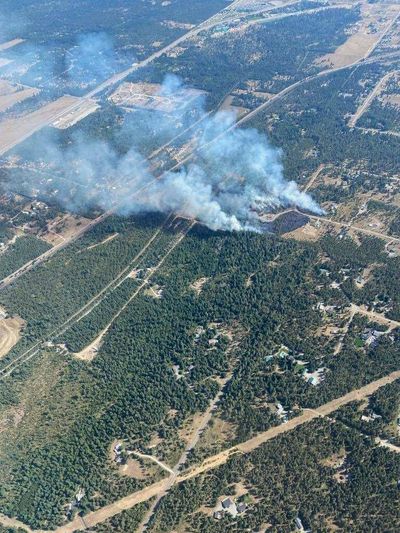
x=96, y=517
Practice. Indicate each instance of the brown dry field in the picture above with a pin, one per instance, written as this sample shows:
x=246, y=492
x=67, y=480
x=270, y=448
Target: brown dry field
x=16, y=130
x=363, y=40
x=64, y=228
x=133, y=469
x=13, y=97
x=308, y=233
x=10, y=333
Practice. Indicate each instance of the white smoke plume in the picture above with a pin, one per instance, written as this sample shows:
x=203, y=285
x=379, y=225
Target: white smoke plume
x=234, y=174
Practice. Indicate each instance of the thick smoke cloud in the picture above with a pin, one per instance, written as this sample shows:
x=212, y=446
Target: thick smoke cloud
x=91, y=60
x=234, y=175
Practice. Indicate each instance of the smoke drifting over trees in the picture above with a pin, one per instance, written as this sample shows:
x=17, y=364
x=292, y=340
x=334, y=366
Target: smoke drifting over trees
x=234, y=174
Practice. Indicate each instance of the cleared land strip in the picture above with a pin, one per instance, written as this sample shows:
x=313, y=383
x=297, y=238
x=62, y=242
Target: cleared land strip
x=46, y=255
x=375, y=317
x=368, y=101
x=369, y=232
x=313, y=177
x=10, y=44
x=197, y=430
x=88, y=352
x=75, y=317
x=96, y=517
x=16, y=130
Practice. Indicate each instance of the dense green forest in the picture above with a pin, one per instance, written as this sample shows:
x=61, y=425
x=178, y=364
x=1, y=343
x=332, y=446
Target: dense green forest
x=244, y=311
x=323, y=473
x=380, y=417
x=256, y=312
x=265, y=53
x=124, y=522
x=20, y=252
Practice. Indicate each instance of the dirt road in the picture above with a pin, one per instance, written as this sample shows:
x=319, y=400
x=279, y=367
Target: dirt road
x=375, y=317
x=221, y=458
x=371, y=233
x=153, y=459
x=386, y=444
x=313, y=177
x=192, y=443
x=161, y=487
x=88, y=352
x=367, y=102
x=46, y=255
x=323, y=410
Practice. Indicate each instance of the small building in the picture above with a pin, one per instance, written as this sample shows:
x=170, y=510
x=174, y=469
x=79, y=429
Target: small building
x=299, y=524
x=227, y=503
x=218, y=515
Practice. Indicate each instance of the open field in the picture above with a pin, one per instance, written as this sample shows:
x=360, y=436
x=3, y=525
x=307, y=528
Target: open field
x=15, y=131
x=10, y=333
x=64, y=228
x=11, y=94
x=368, y=34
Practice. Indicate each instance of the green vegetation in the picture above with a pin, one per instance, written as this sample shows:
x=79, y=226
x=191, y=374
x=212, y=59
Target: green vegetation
x=264, y=52
x=24, y=249
x=379, y=418
x=244, y=311
x=325, y=474
x=85, y=330
x=310, y=125
x=124, y=522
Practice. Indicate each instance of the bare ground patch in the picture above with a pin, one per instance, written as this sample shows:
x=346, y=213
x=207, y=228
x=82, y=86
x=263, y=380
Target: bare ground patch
x=366, y=35
x=107, y=239
x=10, y=333
x=90, y=351
x=310, y=232
x=134, y=469
x=64, y=228
x=198, y=285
